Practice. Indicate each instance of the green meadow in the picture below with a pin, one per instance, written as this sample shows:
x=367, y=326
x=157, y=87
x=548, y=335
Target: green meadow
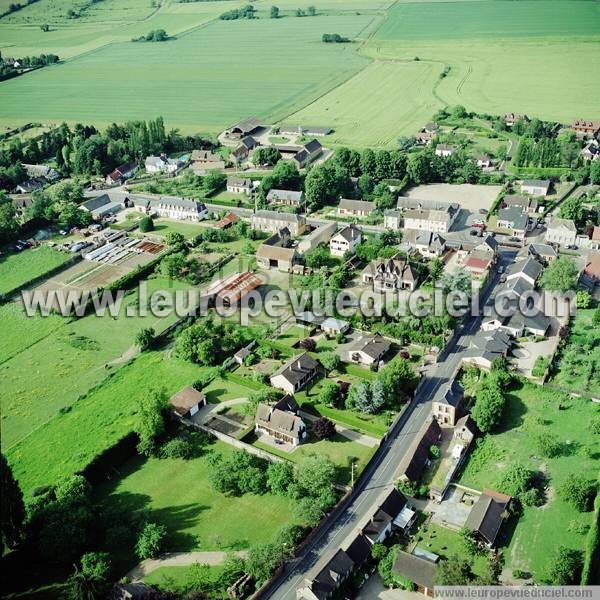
x=42, y=377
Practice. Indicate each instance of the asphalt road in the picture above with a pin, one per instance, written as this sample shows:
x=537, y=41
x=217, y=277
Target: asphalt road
x=381, y=471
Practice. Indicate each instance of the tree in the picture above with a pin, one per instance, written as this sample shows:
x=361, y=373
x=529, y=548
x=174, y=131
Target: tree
x=489, y=406
x=314, y=475
x=308, y=344
x=312, y=11
x=519, y=481
x=329, y=394
x=547, y=444
x=330, y=361
x=398, y=379
x=45, y=27
x=172, y=265
x=595, y=172
x=584, y=300
x=150, y=541
x=560, y=275
x=174, y=238
x=13, y=508
x=146, y=224
x=263, y=560
x=279, y=477
x=92, y=580
x=266, y=156
x=454, y=571
x=434, y=451
x=572, y=208
x=8, y=223
x=359, y=397
x=274, y=12
x=578, y=491
x=565, y=566
x=150, y=423
x=324, y=428
x=144, y=337
x=436, y=268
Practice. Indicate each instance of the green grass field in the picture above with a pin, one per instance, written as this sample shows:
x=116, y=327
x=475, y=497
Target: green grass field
x=532, y=409
x=94, y=422
x=41, y=378
x=176, y=578
x=177, y=494
x=17, y=269
x=244, y=76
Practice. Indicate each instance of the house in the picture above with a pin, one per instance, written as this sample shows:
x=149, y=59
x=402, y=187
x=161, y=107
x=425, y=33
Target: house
x=447, y=403
x=561, y=231
x=424, y=138
x=416, y=458
x=478, y=264
x=388, y=516
x=367, y=350
x=326, y=577
x=416, y=569
x=392, y=219
x=590, y=151
x=101, y=206
x=345, y=240
x=430, y=219
x=304, y=130
x=529, y=268
x=281, y=422
x=182, y=209
x=242, y=151
x=122, y=173
x=187, y=402
x=287, y=197
x=272, y=221
x=308, y=319
x=427, y=243
x=514, y=219
x=162, y=164
x=390, y=275
x=227, y=221
x=431, y=127
x=48, y=173
x=487, y=515
x=274, y=252
x=296, y=374
x=527, y=204
x=486, y=347
x=355, y=208
x=483, y=161
x=239, y=154
x=535, y=187
x=321, y=235
x=543, y=253
x=244, y=128
x=584, y=128
x=444, y=150
x=333, y=327
x=239, y=185
x=308, y=153
x=206, y=160
x=464, y=430
x=30, y=185
x=511, y=118
x=594, y=240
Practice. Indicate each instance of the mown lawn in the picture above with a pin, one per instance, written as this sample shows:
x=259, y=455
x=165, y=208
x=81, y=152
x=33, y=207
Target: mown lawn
x=177, y=578
x=21, y=267
x=579, y=361
x=66, y=443
x=177, y=493
x=40, y=379
x=220, y=390
x=188, y=230
x=532, y=409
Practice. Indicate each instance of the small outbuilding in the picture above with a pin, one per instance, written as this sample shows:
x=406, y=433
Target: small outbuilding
x=187, y=402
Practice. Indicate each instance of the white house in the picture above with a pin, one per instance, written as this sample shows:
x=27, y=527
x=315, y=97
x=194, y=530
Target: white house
x=535, y=187
x=444, y=150
x=345, y=240
x=272, y=221
x=238, y=185
x=182, y=209
x=162, y=164
x=434, y=220
x=561, y=231
x=392, y=219
x=296, y=374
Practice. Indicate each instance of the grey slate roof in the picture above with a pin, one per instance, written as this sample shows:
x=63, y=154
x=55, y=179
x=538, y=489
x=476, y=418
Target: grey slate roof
x=287, y=195
x=418, y=570
x=313, y=146
x=486, y=515
x=285, y=422
x=96, y=202
x=529, y=267
x=297, y=368
x=515, y=216
x=359, y=205
x=372, y=345
x=349, y=233
x=278, y=216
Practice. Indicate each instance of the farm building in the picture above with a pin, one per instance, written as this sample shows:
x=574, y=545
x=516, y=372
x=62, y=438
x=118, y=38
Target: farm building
x=275, y=253
x=101, y=206
x=309, y=152
x=321, y=235
x=272, y=221
x=122, y=173
x=304, y=130
x=444, y=150
x=416, y=569
x=245, y=128
x=205, y=160
x=187, y=402
x=227, y=221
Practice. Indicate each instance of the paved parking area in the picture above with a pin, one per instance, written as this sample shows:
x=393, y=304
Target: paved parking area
x=451, y=512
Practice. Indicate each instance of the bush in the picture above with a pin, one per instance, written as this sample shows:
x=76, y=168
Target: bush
x=177, y=448
x=150, y=541
x=324, y=428
x=578, y=491
x=146, y=224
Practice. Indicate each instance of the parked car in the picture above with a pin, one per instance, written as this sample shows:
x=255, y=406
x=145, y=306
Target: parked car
x=502, y=278
x=473, y=232
x=500, y=269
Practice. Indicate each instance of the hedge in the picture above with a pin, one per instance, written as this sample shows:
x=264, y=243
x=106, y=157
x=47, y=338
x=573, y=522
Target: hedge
x=590, y=574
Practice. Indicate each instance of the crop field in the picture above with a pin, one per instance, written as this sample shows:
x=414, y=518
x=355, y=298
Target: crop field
x=95, y=422
x=17, y=269
x=244, y=76
x=532, y=409
x=42, y=378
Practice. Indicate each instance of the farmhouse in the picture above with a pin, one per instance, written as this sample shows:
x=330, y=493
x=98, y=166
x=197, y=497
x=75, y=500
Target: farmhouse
x=416, y=569
x=486, y=347
x=584, y=128
x=514, y=219
x=206, y=160
x=187, y=402
x=272, y=221
x=390, y=275
x=367, y=350
x=447, y=404
x=280, y=421
x=122, y=172
x=590, y=151
x=101, y=206
x=345, y=240
x=320, y=235
x=162, y=164
x=30, y=185
x=511, y=118
x=424, y=138
x=182, y=209
x=541, y=252
x=535, y=187
x=434, y=220
x=239, y=185
x=296, y=374
x=416, y=458
x=487, y=515
x=561, y=231
x=48, y=173
x=274, y=253
x=244, y=128
x=309, y=152
x=444, y=150
x=355, y=208
x=304, y=130
x=287, y=197
x=392, y=219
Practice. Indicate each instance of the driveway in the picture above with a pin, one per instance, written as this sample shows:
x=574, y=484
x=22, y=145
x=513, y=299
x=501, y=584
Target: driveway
x=450, y=512
x=374, y=589
x=354, y=436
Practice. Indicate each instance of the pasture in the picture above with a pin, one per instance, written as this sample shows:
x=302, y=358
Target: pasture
x=96, y=421
x=244, y=76
x=530, y=410
x=19, y=268
x=42, y=378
